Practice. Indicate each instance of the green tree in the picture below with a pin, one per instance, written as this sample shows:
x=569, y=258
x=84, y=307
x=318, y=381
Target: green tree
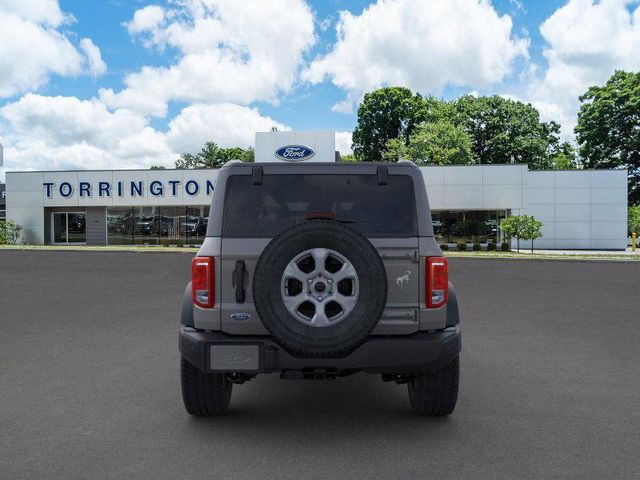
x=227, y=154
x=634, y=219
x=505, y=131
x=249, y=155
x=440, y=143
x=608, y=130
x=532, y=229
x=523, y=227
x=9, y=232
x=513, y=227
x=188, y=161
x=564, y=157
x=212, y=156
x=395, y=150
x=350, y=157
x=386, y=113
x=158, y=167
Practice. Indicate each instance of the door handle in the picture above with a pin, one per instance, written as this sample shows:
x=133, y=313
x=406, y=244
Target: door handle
x=238, y=281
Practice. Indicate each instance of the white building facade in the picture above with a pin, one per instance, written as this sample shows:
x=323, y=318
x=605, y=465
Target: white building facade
x=580, y=209
x=585, y=209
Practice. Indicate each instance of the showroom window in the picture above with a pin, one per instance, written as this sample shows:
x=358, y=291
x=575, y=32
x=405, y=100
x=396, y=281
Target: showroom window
x=467, y=226
x=157, y=225
x=69, y=227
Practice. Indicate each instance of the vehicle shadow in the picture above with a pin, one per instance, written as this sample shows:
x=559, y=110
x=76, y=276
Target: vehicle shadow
x=358, y=407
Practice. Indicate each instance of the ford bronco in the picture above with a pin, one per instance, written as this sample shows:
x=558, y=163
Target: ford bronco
x=318, y=271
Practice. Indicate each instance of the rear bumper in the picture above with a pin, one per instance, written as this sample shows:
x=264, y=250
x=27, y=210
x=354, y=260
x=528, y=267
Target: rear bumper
x=400, y=354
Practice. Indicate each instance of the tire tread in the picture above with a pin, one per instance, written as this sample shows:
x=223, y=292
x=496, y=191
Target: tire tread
x=204, y=394
x=435, y=394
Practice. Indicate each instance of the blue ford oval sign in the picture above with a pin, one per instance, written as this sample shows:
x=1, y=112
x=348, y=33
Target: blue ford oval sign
x=294, y=153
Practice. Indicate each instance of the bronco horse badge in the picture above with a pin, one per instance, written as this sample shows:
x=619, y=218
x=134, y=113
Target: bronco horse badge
x=403, y=280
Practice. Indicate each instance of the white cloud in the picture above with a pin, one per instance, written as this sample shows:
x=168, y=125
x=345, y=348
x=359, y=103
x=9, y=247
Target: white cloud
x=46, y=12
x=586, y=42
x=421, y=44
x=34, y=45
x=229, y=52
x=52, y=133
x=97, y=66
x=146, y=20
x=65, y=132
x=343, y=142
x=227, y=124
x=344, y=106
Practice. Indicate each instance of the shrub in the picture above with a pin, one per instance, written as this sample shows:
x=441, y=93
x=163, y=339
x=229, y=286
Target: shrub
x=476, y=247
x=462, y=247
x=444, y=247
x=491, y=247
x=9, y=232
x=505, y=247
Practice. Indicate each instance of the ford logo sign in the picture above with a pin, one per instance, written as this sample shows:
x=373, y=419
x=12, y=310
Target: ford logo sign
x=294, y=153
x=240, y=316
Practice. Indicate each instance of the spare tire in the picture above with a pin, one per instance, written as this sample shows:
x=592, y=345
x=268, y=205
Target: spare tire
x=320, y=288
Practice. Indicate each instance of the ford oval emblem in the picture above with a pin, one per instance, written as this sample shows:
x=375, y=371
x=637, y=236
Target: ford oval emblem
x=294, y=153
x=240, y=316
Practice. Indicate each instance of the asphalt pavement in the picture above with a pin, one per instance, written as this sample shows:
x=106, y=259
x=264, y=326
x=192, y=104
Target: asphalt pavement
x=89, y=384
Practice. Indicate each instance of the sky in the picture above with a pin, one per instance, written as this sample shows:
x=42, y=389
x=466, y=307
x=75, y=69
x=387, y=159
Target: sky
x=133, y=83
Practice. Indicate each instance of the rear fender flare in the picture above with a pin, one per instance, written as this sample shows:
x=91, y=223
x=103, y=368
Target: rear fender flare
x=453, y=314
x=186, y=311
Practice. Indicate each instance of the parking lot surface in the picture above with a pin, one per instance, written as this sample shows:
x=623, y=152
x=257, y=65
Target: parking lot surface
x=550, y=382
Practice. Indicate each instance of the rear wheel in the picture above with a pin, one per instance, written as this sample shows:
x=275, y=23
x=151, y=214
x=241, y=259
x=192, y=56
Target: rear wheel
x=204, y=394
x=434, y=394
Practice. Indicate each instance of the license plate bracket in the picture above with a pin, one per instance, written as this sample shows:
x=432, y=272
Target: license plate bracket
x=234, y=358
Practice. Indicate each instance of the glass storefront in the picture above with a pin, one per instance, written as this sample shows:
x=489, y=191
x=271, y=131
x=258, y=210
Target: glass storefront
x=467, y=226
x=157, y=225
x=69, y=227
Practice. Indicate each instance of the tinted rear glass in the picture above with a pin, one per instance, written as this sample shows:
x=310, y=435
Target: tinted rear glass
x=284, y=200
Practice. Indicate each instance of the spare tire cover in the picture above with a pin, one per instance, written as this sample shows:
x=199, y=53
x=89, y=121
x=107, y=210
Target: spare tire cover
x=320, y=287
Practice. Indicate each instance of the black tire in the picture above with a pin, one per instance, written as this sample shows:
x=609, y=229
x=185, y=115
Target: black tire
x=332, y=340
x=204, y=394
x=435, y=394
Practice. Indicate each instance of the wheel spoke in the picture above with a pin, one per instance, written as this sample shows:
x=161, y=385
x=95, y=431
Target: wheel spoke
x=347, y=271
x=319, y=258
x=293, y=271
x=293, y=302
x=320, y=318
x=345, y=301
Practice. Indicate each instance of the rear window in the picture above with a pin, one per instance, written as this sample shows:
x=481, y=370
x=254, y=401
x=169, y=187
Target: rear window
x=284, y=200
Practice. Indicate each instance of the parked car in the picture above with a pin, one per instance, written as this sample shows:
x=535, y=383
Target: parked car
x=192, y=226
x=153, y=225
x=317, y=271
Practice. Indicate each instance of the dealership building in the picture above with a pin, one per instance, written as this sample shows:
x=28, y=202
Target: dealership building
x=580, y=209
x=3, y=204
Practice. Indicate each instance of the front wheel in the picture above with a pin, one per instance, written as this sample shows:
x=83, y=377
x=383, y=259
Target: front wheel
x=204, y=394
x=435, y=394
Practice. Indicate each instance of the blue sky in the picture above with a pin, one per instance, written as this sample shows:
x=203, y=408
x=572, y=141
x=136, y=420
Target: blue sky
x=307, y=107
x=124, y=84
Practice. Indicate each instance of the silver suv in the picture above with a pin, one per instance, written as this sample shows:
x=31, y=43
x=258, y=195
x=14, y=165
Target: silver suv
x=319, y=271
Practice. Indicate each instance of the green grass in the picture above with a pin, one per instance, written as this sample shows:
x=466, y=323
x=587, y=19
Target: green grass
x=112, y=248
x=609, y=257
x=615, y=257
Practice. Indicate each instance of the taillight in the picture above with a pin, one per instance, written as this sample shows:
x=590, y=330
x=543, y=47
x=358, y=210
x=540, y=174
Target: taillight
x=202, y=282
x=437, y=284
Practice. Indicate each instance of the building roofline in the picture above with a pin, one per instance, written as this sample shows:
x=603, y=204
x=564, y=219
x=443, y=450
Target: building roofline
x=318, y=163
x=114, y=170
